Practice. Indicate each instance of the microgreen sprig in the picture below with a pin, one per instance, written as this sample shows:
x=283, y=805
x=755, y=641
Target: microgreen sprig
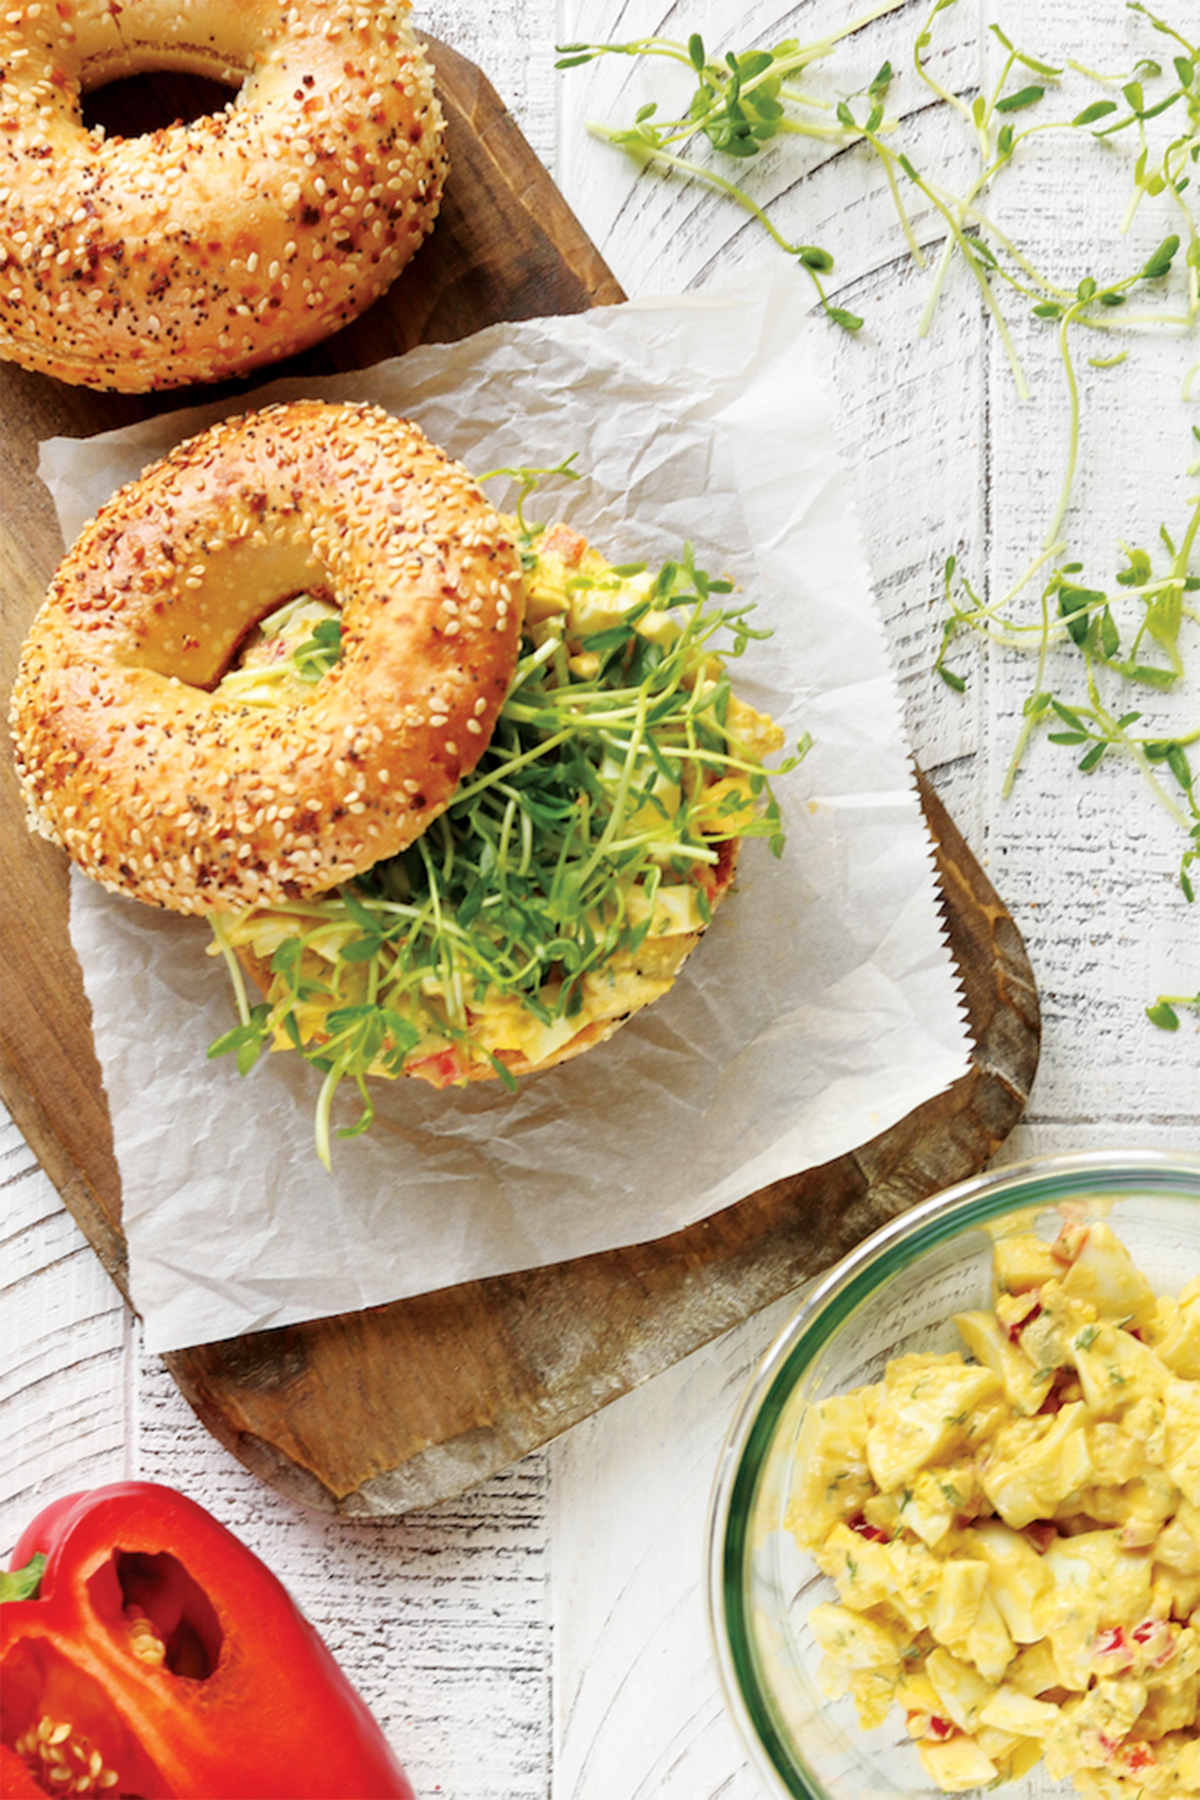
x=739, y=105
x=527, y=479
x=1162, y=1013
x=1129, y=634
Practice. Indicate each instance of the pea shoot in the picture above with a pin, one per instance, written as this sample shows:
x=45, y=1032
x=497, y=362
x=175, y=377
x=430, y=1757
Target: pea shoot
x=318, y=653
x=1162, y=1013
x=1128, y=637
x=739, y=105
x=586, y=841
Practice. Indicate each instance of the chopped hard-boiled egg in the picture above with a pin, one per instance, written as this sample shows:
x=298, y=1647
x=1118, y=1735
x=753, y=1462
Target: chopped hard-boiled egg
x=1015, y=1539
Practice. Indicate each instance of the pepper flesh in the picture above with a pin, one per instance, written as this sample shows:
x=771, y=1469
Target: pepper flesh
x=180, y=1664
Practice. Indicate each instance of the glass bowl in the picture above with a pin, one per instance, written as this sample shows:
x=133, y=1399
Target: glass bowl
x=893, y=1295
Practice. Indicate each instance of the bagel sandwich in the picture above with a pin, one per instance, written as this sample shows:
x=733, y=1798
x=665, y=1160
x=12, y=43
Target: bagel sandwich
x=459, y=794
x=577, y=867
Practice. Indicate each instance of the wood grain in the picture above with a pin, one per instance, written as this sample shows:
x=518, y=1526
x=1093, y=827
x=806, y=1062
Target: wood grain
x=491, y=1368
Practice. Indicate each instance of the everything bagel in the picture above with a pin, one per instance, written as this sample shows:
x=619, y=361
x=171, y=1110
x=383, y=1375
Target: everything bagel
x=205, y=250
x=162, y=787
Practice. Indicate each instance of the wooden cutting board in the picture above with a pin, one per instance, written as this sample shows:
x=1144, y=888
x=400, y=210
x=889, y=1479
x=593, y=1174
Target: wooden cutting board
x=381, y=1411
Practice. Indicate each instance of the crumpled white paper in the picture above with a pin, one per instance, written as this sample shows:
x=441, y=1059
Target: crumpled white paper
x=822, y=1005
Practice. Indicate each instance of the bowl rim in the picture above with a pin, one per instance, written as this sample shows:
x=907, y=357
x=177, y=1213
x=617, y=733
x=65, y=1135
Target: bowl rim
x=1047, y=1179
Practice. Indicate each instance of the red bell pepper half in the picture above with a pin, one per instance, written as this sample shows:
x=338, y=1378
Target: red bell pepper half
x=161, y=1660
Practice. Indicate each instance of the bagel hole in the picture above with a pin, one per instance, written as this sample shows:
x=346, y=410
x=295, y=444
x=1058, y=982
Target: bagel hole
x=136, y=105
x=272, y=639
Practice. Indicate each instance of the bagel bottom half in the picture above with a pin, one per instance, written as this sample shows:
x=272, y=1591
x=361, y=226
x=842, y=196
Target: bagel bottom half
x=501, y=1033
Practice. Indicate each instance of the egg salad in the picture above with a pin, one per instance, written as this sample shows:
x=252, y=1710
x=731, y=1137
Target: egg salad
x=1015, y=1532
x=576, y=867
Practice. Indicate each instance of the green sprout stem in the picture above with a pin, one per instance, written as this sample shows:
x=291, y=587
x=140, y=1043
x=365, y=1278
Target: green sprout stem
x=234, y=967
x=1032, y=714
x=1068, y=483
x=973, y=264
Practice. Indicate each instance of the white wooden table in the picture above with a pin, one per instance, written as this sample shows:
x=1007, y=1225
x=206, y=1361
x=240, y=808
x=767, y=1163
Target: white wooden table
x=543, y=1636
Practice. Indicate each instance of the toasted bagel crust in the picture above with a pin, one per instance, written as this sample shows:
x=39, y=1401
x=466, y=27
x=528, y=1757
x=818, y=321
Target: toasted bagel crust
x=208, y=249
x=162, y=789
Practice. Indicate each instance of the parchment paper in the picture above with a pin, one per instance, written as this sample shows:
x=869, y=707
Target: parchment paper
x=822, y=1005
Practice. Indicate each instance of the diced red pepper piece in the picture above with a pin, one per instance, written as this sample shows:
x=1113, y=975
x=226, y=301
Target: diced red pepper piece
x=564, y=542
x=1015, y=1330
x=442, y=1069
x=1060, y=1381
x=164, y=1657
x=940, y=1728
x=872, y=1533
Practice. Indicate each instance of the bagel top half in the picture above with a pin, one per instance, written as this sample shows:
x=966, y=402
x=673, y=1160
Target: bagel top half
x=161, y=786
x=207, y=249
